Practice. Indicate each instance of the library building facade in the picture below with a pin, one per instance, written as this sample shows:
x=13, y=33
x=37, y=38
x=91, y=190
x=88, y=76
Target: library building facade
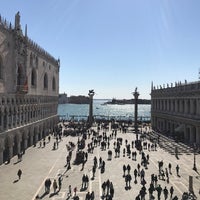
x=175, y=111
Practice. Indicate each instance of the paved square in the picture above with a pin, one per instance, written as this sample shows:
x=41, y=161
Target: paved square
x=38, y=164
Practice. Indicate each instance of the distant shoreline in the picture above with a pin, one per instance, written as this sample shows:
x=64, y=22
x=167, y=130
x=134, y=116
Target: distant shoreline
x=128, y=101
x=63, y=99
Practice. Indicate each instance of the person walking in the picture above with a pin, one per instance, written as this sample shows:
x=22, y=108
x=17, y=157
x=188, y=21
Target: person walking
x=60, y=182
x=75, y=190
x=177, y=170
x=135, y=175
x=171, y=190
x=170, y=168
x=92, y=195
x=167, y=175
x=19, y=173
x=165, y=192
x=93, y=171
x=128, y=168
x=159, y=190
x=103, y=186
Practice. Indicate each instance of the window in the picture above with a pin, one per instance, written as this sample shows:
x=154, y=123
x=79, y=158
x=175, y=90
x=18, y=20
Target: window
x=33, y=78
x=53, y=83
x=1, y=68
x=19, y=74
x=45, y=81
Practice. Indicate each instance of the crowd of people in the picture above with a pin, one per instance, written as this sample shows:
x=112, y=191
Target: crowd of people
x=112, y=141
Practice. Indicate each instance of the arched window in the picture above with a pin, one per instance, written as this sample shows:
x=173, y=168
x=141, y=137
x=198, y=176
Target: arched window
x=19, y=74
x=45, y=81
x=33, y=78
x=53, y=84
x=1, y=68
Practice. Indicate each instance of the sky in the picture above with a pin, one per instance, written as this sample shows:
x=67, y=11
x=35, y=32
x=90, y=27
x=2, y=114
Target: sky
x=114, y=46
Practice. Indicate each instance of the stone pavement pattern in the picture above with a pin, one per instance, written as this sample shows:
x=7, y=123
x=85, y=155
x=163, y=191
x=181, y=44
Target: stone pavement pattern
x=38, y=164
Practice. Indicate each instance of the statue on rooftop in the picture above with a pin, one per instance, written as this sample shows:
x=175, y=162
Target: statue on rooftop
x=17, y=21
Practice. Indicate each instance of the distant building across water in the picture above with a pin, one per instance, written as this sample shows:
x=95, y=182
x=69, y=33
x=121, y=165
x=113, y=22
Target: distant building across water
x=63, y=98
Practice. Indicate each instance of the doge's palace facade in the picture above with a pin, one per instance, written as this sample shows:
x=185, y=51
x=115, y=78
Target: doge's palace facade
x=175, y=111
x=29, y=88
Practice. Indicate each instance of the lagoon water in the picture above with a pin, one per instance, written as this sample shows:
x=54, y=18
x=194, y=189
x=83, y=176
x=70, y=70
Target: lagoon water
x=108, y=111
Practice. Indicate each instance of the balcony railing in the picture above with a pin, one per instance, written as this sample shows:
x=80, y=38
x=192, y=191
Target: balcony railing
x=22, y=89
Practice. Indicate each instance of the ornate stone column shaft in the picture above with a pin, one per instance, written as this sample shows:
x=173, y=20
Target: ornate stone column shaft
x=91, y=118
x=136, y=95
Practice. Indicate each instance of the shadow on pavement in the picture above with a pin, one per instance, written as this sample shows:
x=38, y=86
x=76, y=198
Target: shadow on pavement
x=15, y=181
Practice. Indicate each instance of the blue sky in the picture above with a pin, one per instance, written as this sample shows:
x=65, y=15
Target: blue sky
x=113, y=46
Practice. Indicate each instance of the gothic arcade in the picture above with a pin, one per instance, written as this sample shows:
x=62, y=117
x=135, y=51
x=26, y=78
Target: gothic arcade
x=29, y=84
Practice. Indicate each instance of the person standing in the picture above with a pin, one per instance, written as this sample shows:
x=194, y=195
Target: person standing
x=55, y=186
x=69, y=194
x=124, y=170
x=75, y=190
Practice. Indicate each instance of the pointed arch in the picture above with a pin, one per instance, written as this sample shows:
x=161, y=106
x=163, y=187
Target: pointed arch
x=45, y=81
x=33, y=77
x=19, y=74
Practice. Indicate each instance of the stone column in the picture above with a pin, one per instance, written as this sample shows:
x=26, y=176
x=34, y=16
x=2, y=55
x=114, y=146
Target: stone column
x=1, y=118
x=7, y=121
x=91, y=118
x=1, y=151
x=25, y=141
x=192, y=139
x=186, y=107
x=18, y=141
x=20, y=117
x=176, y=106
x=10, y=152
x=198, y=106
x=185, y=134
x=36, y=137
x=191, y=106
x=198, y=135
x=12, y=118
x=1, y=156
x=31, y=137
x=136, y=95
